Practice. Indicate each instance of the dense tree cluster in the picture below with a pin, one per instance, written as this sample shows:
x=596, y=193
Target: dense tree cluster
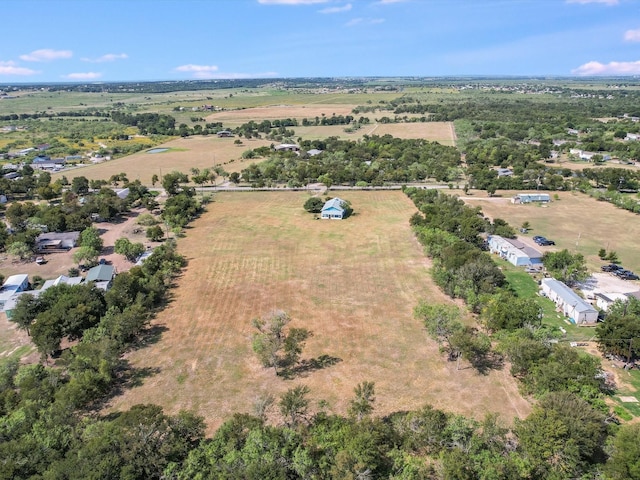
x=147, y=123
x=374, y=160
x=45, y=427
x=619, y=335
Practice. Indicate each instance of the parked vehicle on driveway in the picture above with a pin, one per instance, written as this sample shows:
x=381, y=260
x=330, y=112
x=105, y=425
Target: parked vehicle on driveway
x=612, y=267
x=626, y=274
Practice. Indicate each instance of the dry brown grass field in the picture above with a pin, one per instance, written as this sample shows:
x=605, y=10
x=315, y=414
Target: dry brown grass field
x=183, y=154
x=353, y=283
x=575, y=221
x=441, y=132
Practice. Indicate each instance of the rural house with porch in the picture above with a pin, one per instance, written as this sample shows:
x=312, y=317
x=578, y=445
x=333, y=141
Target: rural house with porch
x=333, y=209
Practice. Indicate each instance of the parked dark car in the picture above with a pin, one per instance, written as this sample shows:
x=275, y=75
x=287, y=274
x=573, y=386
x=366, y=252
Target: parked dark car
x=627, y=275
x=545, y=242
x=537, y=238
x=612, y=267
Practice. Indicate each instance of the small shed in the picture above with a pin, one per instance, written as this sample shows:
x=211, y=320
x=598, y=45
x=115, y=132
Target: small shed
x=333, y=209
x=569, y=302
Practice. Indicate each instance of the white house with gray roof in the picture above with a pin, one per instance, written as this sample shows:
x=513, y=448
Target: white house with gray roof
x=11, y=286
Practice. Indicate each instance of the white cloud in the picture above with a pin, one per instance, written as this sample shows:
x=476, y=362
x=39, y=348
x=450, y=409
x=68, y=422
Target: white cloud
x=604, y=2
x=632, y=35
x=291, y=2
x=388, y=2
x=46, y=55
x=82, y=76
x=232, y=76
x=364, y=21
x=611, y=68
x=10, y=68
x=346, y=8
x=197, y=69
x=109, y=57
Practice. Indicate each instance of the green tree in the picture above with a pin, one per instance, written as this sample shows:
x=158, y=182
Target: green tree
x=90, y=237
x=565, y=266
x=362, y=405
x=313, y=205
x=171, y=182
x=155, y=233
x=505, y=311
x=25, y=311
x=441, y=322
x=87, y=255
x=562, y=437
x=275, y=346
x=131, y=251
x=80, y=185
x=620, y=333
x=612, y=257
x=294, y=405
x=471, y=345
x=20, y=250
x=624, y=454
x=326, y=180
x=154, y=179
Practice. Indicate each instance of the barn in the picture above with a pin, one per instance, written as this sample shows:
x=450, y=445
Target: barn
x=569, y=302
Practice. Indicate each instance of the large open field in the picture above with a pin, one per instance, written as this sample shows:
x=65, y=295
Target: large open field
x=575, y=221
x=183, y=154
x=353, y=283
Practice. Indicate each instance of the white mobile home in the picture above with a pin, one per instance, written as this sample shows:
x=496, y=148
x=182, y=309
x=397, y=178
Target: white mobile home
x=531, y=197
x=569, y=302
x=514, y=251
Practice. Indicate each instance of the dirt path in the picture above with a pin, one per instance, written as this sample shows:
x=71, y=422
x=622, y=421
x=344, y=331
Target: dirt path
x=129, y=228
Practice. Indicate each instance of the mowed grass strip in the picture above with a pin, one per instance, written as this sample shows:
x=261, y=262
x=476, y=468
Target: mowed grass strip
x=353, y=283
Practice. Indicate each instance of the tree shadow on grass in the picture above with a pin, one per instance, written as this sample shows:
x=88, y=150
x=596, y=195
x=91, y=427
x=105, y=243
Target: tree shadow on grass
x=126, y=378
x=150, y=336
x=484, y=364
x=305, y=367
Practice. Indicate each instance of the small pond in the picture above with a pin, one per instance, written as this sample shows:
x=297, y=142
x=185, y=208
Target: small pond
x=157, y=150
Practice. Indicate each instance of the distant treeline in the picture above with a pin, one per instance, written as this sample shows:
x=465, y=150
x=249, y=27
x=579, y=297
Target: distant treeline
x=90, y=112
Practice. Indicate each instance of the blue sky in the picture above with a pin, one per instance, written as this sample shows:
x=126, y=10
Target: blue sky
x=129, y=40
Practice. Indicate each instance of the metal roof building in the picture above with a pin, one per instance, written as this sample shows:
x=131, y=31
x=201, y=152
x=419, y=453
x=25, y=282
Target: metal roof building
x=569, y=302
